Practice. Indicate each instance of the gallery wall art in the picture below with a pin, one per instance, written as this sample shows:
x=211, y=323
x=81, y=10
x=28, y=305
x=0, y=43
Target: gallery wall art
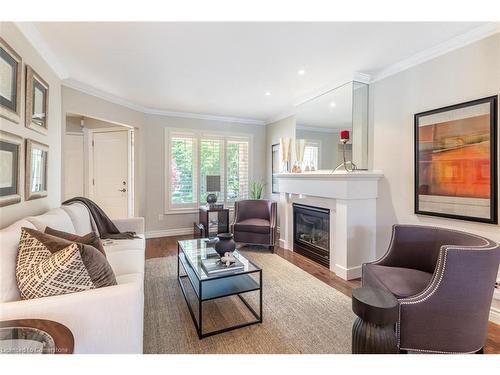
x=10, y=168
x=36, y=170
x=10, y=82
x=456, y=172
x=37, y=102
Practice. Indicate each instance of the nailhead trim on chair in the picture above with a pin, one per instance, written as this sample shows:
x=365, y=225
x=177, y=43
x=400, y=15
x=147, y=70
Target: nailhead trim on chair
x=436, y=281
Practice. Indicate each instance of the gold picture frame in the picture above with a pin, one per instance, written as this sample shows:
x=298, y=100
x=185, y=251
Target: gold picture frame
x=11, y=154
x=37, y=102
x=36, y=170
x=10, y=78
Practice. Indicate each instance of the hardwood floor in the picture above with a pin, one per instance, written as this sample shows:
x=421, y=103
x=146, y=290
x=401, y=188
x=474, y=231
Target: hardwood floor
x=167, y=246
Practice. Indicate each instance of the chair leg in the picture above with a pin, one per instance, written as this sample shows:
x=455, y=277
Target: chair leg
x=480, y=351
x=271, y=248
x=402, y=351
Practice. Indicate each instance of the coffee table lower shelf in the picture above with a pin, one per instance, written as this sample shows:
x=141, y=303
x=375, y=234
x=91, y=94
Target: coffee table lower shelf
x=223, y=286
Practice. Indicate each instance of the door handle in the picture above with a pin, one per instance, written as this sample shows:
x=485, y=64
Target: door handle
x=122, y=190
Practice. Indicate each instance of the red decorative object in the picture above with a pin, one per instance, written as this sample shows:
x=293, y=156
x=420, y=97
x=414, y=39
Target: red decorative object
x=344, y=135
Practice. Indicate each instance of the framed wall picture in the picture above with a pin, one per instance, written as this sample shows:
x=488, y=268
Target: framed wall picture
x=10, y=168
x=275, y=151
x=456, y=173
x=10, y=82
x=36, y=170
x=37, y=102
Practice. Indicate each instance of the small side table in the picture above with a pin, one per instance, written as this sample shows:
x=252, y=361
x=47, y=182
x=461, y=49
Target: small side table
x=62, y=337
x=222, y=219
x=373, y=331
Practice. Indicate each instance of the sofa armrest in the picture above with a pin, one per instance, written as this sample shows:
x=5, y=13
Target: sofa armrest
x=104, y=320
x=133, y=224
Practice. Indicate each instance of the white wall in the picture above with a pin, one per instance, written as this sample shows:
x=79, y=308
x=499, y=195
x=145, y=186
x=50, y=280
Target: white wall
x=9, y=214
x=284, y=128
x=471, y=72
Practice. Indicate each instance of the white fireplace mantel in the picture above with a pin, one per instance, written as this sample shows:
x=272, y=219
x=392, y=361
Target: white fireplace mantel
x=351, y=198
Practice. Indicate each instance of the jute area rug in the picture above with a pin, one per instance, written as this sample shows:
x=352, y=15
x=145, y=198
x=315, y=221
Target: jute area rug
x=301, y=314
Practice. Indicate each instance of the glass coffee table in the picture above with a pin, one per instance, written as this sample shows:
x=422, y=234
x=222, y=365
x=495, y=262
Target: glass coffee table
x=190, y=254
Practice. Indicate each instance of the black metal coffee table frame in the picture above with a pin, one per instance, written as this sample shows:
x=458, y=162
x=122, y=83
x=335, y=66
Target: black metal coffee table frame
x=245, y=284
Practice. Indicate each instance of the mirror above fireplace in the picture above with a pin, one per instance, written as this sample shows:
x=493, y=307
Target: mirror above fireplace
x=319, y=121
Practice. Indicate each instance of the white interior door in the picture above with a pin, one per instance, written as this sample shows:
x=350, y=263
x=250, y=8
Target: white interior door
x=73, y=166
x=110, y=172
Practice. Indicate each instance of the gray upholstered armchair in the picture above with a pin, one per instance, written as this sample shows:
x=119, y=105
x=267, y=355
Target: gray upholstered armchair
x=444, y=280
x=255, y=222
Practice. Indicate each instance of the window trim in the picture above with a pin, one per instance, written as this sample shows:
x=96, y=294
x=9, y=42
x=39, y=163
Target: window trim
x=192, y=208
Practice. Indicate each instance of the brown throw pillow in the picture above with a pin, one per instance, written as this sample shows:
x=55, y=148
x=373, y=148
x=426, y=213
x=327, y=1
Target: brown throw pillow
x=47, y=265
x=91, y=238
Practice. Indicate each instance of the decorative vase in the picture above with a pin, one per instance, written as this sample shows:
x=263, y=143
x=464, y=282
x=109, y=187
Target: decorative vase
x=225, y=244
x=211, y=199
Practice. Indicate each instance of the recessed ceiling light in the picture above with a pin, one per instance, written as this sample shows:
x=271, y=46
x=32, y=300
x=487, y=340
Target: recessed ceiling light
x=301, y=72
x=333, y=104
x=268, y=93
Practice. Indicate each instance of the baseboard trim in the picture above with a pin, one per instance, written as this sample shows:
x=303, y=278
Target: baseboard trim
x=169, y=232
x=495, y=315
x=347, y=273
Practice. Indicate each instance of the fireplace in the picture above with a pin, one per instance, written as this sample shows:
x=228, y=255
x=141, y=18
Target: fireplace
x=311, y=233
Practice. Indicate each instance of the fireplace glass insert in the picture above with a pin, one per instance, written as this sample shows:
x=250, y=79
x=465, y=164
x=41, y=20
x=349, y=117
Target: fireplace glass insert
x=311, y=233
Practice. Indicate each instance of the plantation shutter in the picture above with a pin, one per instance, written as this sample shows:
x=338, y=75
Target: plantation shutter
x=237, y=169
x=183, y=170
x=211, y=164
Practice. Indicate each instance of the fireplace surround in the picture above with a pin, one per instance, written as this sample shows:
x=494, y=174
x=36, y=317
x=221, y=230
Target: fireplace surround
x=351, y=200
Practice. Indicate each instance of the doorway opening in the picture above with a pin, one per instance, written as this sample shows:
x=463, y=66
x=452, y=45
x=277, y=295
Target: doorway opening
x=98, y=163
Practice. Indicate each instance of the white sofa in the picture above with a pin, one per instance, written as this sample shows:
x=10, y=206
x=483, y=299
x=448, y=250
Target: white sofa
x=104, y=320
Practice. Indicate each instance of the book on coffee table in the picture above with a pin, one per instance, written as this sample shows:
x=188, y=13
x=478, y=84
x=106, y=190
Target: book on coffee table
x=213, y=266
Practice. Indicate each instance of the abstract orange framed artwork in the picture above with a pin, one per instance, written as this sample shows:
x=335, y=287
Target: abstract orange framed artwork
x=456, y=172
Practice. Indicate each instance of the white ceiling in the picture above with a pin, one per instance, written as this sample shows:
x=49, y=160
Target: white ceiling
x=225, y=69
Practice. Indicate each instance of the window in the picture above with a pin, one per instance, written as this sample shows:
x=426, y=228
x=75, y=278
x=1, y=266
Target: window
x=311, y=154
x=183, y=186
x=192, y=157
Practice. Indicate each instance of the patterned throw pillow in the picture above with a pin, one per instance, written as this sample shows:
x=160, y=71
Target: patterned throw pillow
x=48, y=266
x=91, y=238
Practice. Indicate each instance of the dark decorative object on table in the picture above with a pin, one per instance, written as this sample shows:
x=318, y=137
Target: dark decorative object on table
x=211, y=198
x=212, y=186
x=225, y=244
x=456, y=161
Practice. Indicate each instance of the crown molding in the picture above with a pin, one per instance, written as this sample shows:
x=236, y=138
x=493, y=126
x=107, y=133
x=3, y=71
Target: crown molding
x=90, y=90
x=457, y=42
x=33, y=36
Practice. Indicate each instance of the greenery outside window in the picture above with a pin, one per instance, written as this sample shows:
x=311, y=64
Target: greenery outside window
x=191, y=156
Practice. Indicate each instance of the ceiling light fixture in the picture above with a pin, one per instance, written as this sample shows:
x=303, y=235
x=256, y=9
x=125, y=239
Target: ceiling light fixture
x=301, y=72
x=333, y=104
x=268, y=93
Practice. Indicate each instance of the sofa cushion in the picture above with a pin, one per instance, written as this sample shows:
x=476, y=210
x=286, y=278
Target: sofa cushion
x=402, y=282
x=80, y=217
x=9, y=244
x=111, y=246
x=91, y=238
x=56, y=218
x=47, y=265
x=253, y=226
